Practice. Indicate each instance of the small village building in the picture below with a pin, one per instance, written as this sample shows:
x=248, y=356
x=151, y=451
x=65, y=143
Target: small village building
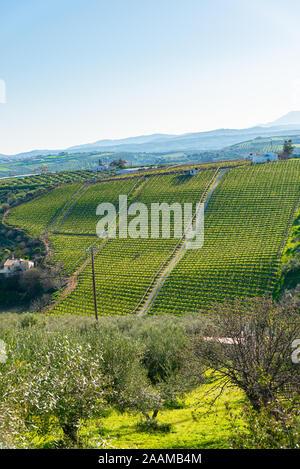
x=193, y=172
x=263, y=157
x=14, y=266
x=99, y=168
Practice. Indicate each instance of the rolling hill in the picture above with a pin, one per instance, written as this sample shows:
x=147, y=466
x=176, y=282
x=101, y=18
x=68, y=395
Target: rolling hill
x=196, y=141
x=262, y=144
x=250, y=210
x=160, y=143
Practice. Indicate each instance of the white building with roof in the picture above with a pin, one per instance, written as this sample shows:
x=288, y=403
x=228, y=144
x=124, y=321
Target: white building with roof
x=263, y=157
x=13, y=266
x=193, y=172
x=100, y=168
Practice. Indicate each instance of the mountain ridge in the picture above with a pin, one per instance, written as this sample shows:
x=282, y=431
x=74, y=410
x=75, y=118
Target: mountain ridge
x=189, y=141
x=291, y=118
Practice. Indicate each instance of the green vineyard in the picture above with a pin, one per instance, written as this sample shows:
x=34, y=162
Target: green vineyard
x=36, y=184
x=247, y=221
x=35, y=216
x=82, y=218
x=246, y=224
x=125, y=267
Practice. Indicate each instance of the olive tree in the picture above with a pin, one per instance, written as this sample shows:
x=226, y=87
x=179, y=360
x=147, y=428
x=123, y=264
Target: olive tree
x=150, y=363
x=59, y=381
x=170, y=360
x=11, y=423
x=123, y=366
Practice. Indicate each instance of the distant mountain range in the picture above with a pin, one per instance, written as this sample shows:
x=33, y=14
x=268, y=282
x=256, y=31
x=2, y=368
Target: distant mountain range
x=291, y=119
x=288, y=125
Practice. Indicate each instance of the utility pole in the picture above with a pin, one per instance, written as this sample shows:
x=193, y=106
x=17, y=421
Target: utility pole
x=94, y=282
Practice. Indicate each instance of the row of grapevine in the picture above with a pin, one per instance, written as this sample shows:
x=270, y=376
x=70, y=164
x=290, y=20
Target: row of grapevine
x=71, y=251
x=47, y=179
x=19, y=188
x=82, y=217
x=36, y=215
x=245, y=227
x=125, y=267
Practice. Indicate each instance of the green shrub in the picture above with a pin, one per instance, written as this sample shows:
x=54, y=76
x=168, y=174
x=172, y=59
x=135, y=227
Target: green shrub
x=150, y=426
x=275, y=427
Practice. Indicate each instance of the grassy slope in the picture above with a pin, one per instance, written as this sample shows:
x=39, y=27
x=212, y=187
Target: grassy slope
x=203, y=431
x=193, y=426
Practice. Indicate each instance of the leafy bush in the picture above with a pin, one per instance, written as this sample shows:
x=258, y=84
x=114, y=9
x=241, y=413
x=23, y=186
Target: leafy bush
x=274, y=427
x=154, y=426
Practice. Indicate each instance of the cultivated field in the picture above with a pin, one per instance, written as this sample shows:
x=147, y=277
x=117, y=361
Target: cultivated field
x=124, y=268
x=246, y=224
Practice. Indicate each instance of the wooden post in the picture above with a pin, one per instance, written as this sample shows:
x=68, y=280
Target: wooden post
x=94, y=283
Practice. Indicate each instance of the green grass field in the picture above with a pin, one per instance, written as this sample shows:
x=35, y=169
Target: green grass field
x=193, y=425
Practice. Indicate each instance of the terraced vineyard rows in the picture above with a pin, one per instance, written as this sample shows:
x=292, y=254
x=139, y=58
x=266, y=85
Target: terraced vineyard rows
x=35, y=184
x=262, y=147
x=82, y=217
x=246, y=222
x=49, y=179
x=37, y=214
x=75, y=230
x=125, y=267
x=70, y=251
x=245, y=226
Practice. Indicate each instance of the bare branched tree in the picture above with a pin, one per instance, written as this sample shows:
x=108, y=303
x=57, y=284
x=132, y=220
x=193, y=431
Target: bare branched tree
x=250, y=347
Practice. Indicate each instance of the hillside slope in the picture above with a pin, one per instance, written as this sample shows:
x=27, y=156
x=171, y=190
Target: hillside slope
x=125, y=267
x=246, y=226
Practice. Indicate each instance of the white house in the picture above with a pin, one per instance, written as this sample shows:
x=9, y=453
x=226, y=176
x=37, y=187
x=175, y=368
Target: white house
x=193, y=172
x=13, y=266
x=263, y=157
x=99, y=168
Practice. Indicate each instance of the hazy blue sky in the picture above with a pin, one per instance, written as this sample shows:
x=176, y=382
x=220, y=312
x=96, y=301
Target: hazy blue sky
x=82, y=70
